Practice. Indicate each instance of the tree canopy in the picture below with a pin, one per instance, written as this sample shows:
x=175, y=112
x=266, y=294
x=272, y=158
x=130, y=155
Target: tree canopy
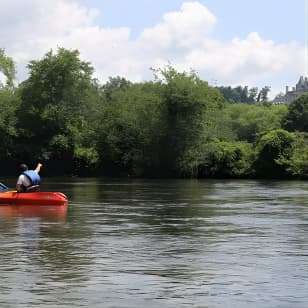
x=176, y=125
x=7, y=67
x=297, y=116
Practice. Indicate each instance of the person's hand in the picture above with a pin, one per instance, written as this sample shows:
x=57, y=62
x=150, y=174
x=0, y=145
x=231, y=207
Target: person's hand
x=39, y=165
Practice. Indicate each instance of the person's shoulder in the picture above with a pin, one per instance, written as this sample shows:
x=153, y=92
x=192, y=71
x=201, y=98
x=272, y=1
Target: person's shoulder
x=21, y=179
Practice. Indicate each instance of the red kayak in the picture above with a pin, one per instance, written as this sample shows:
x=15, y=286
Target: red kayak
x=32, y=198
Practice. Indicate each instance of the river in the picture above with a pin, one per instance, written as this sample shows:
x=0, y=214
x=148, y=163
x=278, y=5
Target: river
x=158, y=243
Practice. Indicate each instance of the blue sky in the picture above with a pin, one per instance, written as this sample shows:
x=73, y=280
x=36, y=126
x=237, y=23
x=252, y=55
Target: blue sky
x=281, y=21
x=227, y=42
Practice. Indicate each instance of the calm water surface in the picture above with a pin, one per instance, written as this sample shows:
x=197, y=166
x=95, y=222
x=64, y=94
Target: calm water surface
x=154, y=243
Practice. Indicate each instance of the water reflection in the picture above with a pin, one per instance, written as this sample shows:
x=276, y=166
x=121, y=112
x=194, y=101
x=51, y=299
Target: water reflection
x=48, y=213
x=139, y=243
x=41, y=254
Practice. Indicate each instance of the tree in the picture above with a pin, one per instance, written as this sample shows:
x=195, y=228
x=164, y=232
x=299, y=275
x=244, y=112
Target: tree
x=253, y=92
x=187, y=102
x=272, y=147
x=297, y=116
x=264, y=93
x=7, y=67
x=8, y=104
x=129, y=130
x=250, y=121
x=55, y=110
x=241, y=94
x=219, y=159
x=296, y=163
x=113, y=85
x=237, y=94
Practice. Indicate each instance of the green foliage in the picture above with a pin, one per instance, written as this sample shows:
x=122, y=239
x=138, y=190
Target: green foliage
x=297, y=117
x=55, y=106
x=244, y=94
x=272, y=147
x=113, y=85
x=230, y=159
x=219, y=159
x=175, y=126
x=8, y=132
x=296, y=163
x=8, y=104
x=7, y=67
x=187, y=103
x=129, y=130
x=85, y=160
x=264, y=94
x=250, y=121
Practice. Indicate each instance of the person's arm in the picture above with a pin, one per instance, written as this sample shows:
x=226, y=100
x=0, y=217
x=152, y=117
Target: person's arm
x=19, y=186
x=38, y=167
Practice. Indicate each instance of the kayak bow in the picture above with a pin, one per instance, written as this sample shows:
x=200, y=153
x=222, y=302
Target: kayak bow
x=34, y=198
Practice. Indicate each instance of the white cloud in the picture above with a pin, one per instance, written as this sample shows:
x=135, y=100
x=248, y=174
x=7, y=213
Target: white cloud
x=21, y=21
x=249, y=57
x=185, y=38
x=186, y=28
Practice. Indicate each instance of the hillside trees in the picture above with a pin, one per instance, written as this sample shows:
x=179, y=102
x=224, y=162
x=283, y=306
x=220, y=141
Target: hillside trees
x=7, y=67
x=8, y=104
x=297, y=116
x=273, y=148
x=187, y=106
x=55, y=111
x=246, y=95
x=296, y=120
x=174, y=126
x=129, y=129
x=296, y=164
x=219, y=159
x=151, y=128
x=250, y=121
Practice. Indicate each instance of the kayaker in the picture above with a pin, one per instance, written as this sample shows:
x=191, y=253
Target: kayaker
x=29, y=180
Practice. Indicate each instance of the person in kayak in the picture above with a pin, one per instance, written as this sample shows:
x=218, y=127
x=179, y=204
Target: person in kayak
x=28, y=180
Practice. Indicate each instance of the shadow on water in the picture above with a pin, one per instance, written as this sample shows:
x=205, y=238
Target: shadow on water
x=165, y=204
x=162, y=206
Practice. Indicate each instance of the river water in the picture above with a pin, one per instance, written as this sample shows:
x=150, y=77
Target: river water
x=158, y=243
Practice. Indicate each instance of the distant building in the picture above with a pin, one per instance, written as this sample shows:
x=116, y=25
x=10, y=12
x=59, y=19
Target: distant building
x=292, y=93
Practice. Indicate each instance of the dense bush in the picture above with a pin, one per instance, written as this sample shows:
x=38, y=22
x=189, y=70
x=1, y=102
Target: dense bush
x=272, y=147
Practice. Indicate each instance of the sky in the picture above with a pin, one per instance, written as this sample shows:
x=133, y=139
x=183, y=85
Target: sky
x=227, y=42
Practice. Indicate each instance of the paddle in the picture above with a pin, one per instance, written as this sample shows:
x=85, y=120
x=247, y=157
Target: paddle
x=3, y=187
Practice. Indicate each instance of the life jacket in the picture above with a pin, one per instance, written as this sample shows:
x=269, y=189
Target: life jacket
x=33, y=176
